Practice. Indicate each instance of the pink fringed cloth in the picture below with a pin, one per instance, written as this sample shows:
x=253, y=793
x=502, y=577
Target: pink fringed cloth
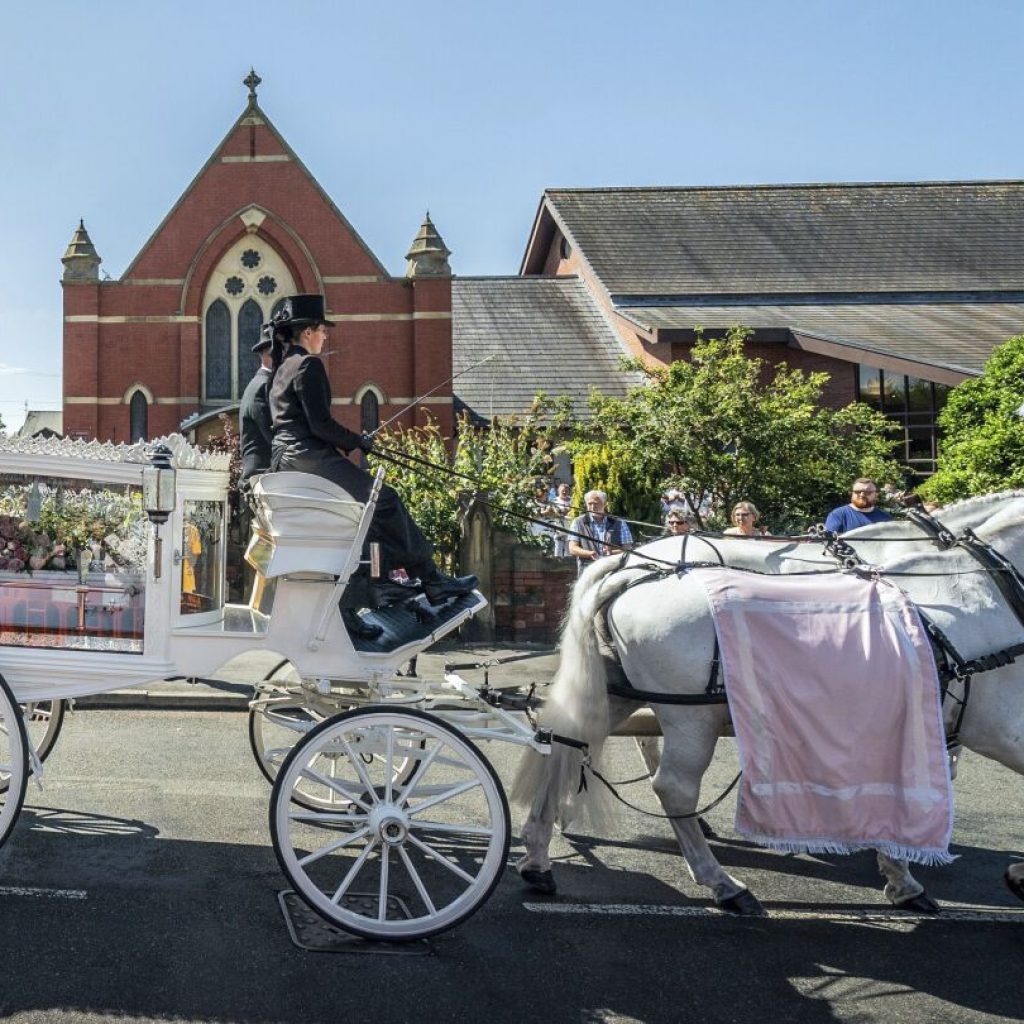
x=835, y=701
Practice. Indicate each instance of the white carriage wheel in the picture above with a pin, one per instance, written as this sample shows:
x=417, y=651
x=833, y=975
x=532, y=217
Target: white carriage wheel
x=404, y=859
x=44, y=720
x=13, y=761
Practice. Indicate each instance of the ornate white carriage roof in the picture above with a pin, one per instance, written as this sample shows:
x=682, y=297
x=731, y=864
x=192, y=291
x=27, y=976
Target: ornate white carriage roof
x=185, y=455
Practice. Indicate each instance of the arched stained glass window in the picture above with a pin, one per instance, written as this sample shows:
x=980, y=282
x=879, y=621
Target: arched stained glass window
x=250, y=319
x=218, y=351
x=138, y=417
x=369, y=412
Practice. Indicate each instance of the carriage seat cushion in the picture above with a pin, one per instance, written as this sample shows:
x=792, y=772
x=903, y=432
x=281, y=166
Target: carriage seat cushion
x=310, y=522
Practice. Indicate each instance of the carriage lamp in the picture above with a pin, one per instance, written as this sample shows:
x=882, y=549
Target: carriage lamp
x=158, y=496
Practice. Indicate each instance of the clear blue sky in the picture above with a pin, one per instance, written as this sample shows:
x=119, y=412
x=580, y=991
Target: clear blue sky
x=107, y=111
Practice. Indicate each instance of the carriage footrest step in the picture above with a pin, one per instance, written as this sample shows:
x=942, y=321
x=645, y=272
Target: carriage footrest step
x=415, y=620
x=310, y=931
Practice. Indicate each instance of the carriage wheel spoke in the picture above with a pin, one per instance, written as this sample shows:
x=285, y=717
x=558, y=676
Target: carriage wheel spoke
x=382, y=891
x=354, y=871
x=441, y=859
x=448, y=794
x=389, y=767
x=455, y=830
x=338, y=844
x=407, y=791
x=335, y=786
x=358, y=765
x=326, y=817
x=417, y=881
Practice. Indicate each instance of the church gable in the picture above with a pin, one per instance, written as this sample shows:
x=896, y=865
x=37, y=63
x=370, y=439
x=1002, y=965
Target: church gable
x=254, y=167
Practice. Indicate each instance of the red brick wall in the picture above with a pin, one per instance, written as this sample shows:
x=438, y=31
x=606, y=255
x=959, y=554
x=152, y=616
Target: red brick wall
x=531, y=592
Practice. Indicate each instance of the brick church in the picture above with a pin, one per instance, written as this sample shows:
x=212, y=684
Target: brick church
x=172, y=336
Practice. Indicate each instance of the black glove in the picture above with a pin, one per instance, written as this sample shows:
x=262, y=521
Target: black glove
x=366, y=443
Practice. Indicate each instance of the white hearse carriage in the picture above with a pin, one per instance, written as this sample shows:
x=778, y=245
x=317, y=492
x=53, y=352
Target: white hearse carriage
x=384, y=815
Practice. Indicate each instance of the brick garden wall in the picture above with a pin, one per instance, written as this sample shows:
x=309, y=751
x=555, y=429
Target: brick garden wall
x=531, y=591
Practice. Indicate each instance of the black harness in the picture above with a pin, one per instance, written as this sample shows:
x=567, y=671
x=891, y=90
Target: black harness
x=951, y=664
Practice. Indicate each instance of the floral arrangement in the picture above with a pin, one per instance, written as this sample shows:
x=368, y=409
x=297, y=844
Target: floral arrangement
x=45, y=527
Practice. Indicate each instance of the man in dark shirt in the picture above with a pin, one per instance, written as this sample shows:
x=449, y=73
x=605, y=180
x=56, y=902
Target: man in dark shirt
x=254, y=425
x=308, y=439
x=862, y=510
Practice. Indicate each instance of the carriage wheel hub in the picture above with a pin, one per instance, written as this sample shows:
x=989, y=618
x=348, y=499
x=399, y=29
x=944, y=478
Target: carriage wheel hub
x=390, y=823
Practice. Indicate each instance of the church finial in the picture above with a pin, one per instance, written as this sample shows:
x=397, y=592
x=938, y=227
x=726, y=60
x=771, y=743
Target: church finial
x=81, y=260
x=250, y=81
x=428, y=255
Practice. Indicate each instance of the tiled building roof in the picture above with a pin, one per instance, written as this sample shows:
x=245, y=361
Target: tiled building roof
x=766, y=240
x=956, y=335
x=545, y=334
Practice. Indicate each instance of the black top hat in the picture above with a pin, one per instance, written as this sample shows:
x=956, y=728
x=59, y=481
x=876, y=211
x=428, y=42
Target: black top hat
x=266, y=338
x=302, y=311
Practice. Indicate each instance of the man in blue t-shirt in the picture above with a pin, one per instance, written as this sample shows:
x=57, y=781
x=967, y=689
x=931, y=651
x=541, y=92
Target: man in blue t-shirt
x=863, y=509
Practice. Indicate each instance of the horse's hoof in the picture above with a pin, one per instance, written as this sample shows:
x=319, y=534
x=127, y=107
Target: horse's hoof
x=744, y=903
x=539, y=881
x=1015, y=885
x=706, y=830
x=922, y=903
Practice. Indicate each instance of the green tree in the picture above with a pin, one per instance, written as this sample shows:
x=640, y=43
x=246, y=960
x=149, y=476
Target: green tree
x=982, y=447
x=722, y=427
x=506, y=461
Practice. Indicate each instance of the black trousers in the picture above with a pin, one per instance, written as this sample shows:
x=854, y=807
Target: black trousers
x=402, y=543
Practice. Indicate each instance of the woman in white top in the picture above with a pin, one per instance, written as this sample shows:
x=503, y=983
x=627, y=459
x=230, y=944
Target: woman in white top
x=744, y=518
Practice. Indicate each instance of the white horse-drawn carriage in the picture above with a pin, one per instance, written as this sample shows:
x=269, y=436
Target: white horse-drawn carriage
x=384, y=815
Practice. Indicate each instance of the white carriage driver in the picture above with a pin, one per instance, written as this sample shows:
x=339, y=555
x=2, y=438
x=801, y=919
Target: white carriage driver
x=305, y=438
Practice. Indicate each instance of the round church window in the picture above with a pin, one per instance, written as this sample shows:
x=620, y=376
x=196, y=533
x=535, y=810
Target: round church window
x=266, y=285
x=251, y=259
x=234, y=285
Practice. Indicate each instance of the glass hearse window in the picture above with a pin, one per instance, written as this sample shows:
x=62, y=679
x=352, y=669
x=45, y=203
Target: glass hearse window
x=72, y=564
x=202, y=557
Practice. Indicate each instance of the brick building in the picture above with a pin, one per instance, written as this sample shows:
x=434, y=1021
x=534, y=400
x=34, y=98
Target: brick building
x=171, y=337
x=898, y=291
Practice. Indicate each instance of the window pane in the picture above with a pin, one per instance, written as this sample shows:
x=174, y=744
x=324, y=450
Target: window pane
x=139, y=417
x=73, y=564
x=920, y=442
x=894, y=395
x=870, y=386
x=202, y=556
x=369, y=418
x=920, y=394
x=250, y=319
x=941, y=394
x=218, y=351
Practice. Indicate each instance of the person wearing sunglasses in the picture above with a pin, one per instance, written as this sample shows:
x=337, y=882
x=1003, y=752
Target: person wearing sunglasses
x=862, y=510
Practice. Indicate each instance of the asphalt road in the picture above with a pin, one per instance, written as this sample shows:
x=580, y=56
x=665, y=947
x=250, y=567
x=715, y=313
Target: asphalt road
x=140, y=885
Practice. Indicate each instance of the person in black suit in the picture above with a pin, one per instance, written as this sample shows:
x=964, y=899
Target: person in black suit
x=255, y=427
x=308, y=439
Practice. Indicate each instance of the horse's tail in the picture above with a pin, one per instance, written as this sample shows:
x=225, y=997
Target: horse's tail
x=577, y=705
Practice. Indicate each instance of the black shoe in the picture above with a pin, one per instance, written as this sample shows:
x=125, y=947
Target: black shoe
x=357, y=627
x=439, y=587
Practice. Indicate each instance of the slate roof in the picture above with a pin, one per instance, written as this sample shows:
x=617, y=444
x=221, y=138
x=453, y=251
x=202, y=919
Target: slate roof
x=957, y=335
x=546, y=334
x=771, y=239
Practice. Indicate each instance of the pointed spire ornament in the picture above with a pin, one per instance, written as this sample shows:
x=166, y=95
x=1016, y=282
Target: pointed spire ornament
x=80, y=259
x=251, y=81
x=428, y=255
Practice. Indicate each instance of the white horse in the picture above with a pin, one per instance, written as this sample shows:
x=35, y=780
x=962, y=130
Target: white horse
x=664, y=636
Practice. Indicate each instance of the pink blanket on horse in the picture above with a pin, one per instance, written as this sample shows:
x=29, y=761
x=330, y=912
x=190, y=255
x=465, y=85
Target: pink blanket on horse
x=835, y=700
